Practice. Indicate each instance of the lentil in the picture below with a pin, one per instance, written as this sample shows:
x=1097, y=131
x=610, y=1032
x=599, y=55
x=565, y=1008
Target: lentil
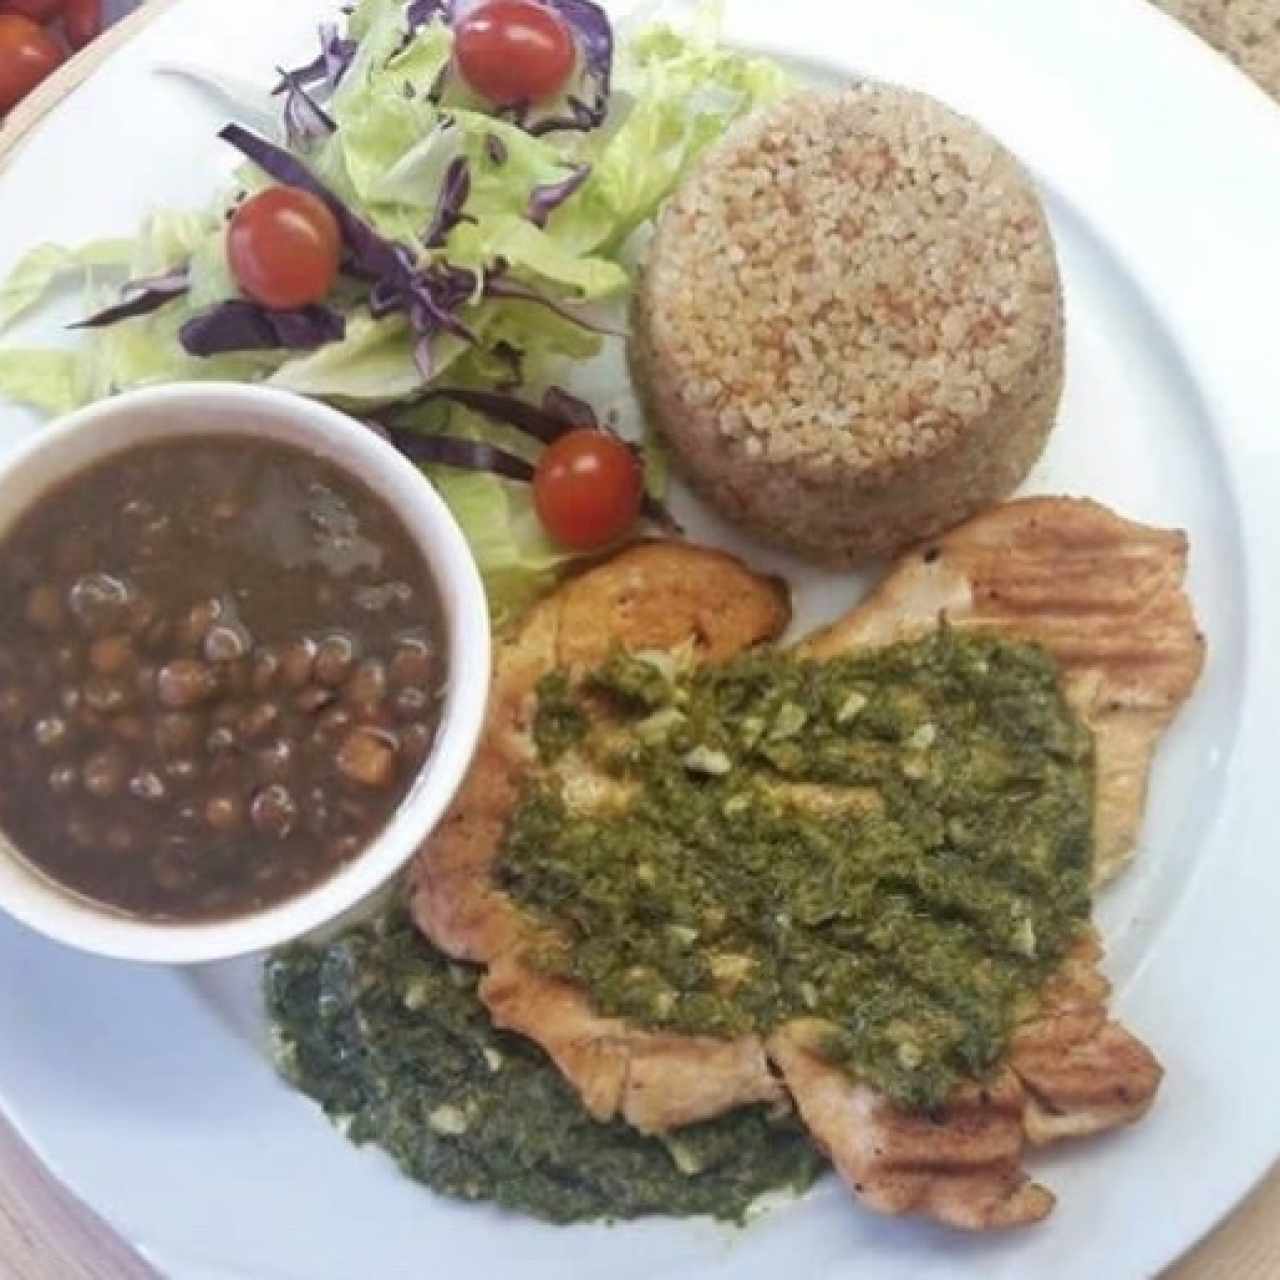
x=187, y=648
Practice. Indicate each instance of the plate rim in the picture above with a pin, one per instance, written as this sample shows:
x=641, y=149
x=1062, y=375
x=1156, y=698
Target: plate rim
x=1260, y=535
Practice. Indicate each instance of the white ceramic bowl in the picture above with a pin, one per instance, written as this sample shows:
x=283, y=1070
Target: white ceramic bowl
x=85, y=437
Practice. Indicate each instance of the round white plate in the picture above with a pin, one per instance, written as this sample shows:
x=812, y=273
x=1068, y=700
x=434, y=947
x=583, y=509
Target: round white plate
x=148, y=1090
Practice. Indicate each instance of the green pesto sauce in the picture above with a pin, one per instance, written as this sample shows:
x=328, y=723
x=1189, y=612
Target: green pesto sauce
x=559, y=722
x=897, y=842
x=393, y=1041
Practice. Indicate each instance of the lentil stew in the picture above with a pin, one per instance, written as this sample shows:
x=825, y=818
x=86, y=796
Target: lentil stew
x=221, y=663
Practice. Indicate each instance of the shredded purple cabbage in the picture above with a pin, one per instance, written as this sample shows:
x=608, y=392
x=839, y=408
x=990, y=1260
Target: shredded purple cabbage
x=329, y=66
x=141, y=297
x=432, y=297
x=495, y=149
x=469, y=455
x=542, y=424
x=240, y=325
x=561, y=404
x=305, y=120
x=545, y=199
x=454, y=194
x=498, y=285
x=421, y=12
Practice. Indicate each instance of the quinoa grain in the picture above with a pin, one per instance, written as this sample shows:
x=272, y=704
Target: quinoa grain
x=850, y=325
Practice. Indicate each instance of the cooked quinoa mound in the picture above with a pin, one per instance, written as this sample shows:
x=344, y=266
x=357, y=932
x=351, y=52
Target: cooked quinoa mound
x=850, y=324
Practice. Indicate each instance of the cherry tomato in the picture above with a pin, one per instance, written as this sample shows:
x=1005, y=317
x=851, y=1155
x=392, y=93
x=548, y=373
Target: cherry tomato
x=41, y=11
x=283, y=246
x=27, y=54
x=513, y=51
x=82, y=21
x=587, y=489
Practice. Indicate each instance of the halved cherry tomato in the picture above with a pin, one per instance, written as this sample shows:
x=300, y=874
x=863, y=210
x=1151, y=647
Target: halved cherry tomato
x=587, y=489
x=27, y=54
x=82, y=21
x=283, y=246
x=40, y=11
x=513, y=51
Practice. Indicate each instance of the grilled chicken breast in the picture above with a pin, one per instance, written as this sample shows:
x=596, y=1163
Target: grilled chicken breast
x=655, y=596
x=1102, y=594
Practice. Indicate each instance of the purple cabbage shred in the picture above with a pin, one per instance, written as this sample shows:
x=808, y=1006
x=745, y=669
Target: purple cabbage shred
x=240, y=325
x=140, y=298
x=454, y=193
x=452, y=451
x=421, y=12
x=569, y=408
x=305, y=120
x=328, y=67
x=539, y=423
x=495, y=149
x=545, y=199
x=497, y=284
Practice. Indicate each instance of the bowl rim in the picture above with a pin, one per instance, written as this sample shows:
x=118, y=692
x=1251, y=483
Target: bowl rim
x=59, y=913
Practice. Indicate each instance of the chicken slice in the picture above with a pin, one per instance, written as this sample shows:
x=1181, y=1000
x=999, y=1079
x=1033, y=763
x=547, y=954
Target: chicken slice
x=654, y=1081
x=1069, y=1072
x=962, y=1167
x=1082, y=1073
x=657, y=596
x=1102, y=594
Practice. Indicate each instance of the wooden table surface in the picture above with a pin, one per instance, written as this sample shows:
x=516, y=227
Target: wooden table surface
x=46, y=1234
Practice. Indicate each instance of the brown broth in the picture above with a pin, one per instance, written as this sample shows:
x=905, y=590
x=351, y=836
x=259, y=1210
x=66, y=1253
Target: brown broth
x=221, y=664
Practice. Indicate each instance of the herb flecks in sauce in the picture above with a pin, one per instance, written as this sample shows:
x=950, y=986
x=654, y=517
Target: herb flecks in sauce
x=391, y=1038
x=896, y=841
x=559, y=723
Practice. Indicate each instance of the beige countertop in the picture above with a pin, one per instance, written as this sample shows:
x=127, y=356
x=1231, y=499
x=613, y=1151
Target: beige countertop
x=45, y=1234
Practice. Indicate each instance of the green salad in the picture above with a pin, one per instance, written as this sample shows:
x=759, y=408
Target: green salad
x=484, y=247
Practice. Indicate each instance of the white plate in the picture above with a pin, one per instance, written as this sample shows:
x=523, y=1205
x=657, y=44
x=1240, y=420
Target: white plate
x=148, y=1091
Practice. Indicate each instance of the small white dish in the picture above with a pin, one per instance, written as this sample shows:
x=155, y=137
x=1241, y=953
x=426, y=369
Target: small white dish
x=101, y=430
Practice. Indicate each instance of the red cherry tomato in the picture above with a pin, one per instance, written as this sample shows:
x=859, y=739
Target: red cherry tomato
x=40, y=11
x=283, y=246
x=82, y=21
x=513, y=51
x=587, y=489
x=27, y=54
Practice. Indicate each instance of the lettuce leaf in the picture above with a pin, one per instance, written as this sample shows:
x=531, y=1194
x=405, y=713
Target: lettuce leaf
x=537, y=256
x=687, y=90
x=373, y=363
x=47, y=380
x=378, y=122
x=40, y=269
x=515, y=557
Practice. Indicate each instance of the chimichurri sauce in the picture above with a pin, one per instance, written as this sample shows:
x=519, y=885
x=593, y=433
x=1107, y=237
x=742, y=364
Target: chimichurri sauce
x=391, y=1039
x=897, y=842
